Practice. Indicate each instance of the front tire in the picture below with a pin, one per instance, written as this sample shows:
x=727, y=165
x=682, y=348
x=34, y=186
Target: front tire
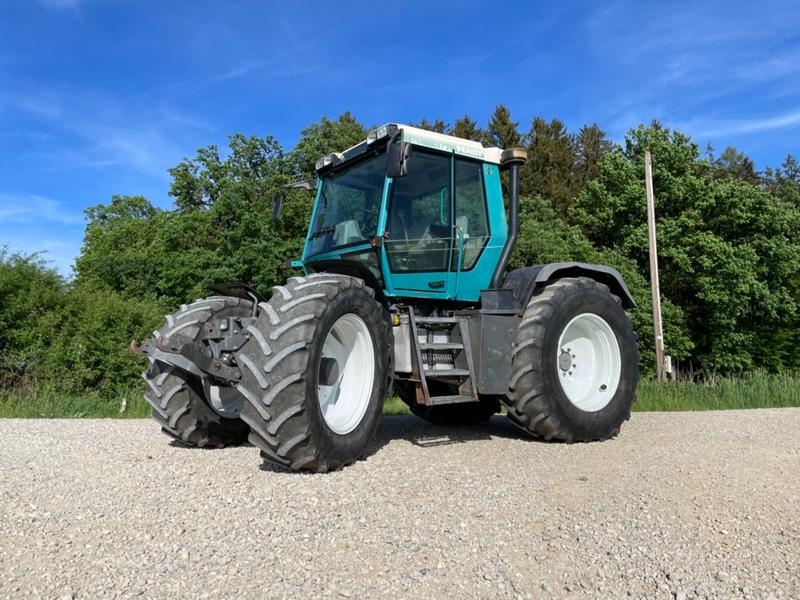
x=182, y=402
x=315, y=372
x=574, y=365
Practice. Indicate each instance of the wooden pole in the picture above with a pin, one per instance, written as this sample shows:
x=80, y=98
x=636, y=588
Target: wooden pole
x=654, y=286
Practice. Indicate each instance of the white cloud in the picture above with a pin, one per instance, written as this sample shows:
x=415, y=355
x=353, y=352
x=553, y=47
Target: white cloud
x=98, y=129
x=31, y=208
x=242, y=69
x=725, y=127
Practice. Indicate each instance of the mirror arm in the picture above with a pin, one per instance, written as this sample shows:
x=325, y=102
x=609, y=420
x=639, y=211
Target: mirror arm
x=277, y=195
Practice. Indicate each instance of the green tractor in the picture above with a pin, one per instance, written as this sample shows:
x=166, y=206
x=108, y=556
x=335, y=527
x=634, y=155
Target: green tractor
x=403, y=287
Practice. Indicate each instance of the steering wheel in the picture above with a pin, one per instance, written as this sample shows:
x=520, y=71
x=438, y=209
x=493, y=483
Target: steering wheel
x=368, y=213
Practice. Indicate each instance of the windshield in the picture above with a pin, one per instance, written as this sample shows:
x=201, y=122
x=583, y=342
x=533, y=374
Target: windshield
x=348, y=206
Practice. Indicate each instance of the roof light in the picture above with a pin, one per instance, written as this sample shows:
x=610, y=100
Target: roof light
x=381, y=133
x=329, y=160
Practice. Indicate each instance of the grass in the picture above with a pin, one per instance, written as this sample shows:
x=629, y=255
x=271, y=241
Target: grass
x=46, y=401
x=759, y=390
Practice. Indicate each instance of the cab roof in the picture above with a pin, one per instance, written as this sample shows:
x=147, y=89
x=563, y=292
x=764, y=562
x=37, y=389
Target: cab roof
x=417, y=137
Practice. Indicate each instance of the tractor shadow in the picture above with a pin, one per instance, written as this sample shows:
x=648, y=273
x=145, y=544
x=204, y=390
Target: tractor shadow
x=427, y=435
x=414, y=430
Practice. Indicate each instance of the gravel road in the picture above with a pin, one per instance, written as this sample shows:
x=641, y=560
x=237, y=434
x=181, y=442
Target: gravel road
x=680, y=505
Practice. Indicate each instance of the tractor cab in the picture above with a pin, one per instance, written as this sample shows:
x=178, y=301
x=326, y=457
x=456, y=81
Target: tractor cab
x=420, y=212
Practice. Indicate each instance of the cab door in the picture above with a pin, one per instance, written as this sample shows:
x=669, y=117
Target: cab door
x=419, y=234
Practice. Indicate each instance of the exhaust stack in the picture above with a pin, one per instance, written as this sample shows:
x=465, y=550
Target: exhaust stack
x=511, y=159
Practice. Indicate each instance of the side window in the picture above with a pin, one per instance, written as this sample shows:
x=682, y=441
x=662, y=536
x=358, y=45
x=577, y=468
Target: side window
x=419, y=221
x=470, y=210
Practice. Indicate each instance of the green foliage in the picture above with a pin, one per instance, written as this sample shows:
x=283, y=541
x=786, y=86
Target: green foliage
x=502, y=132
x=324, y=137
x=727, y=249
x=467, y=129
x=784, y=182
x=90, y=350
x=545, y=237
x=591, y=145
x=728, y=252
x=551, y=163
x=437, y=125
x=32, y=297
x=735, y=164
x=74, y=335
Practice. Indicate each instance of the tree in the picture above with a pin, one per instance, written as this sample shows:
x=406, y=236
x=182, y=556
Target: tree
x=502, y=132
x=321, y=138
x=551, y=163
x=736, y=164
x=437, y=125
x=591, y=146
x=545, y=237
x=200, y=182
x=784, y=182
x=468, y=129
x=118, y=251
x=726, y=248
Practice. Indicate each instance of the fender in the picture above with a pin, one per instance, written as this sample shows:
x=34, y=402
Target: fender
x=352, y=268
x=238, y=289
x=526, y=281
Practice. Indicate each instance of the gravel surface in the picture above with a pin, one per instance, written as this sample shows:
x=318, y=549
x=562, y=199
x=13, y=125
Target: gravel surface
x=679, y=506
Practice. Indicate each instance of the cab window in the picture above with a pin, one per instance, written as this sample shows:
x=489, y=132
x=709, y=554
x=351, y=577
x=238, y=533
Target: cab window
x=419, y=222
x=472, y=222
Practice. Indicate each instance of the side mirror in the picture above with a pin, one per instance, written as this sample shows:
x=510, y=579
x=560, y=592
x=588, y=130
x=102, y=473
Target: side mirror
x=397, y=157
x=277, y=195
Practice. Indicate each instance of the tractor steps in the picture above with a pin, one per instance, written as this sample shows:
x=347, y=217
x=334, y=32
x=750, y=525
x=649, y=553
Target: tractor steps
x=441, y=346
x=446, y=372
x=442, y=354
x=436, y=320
x=439, y=400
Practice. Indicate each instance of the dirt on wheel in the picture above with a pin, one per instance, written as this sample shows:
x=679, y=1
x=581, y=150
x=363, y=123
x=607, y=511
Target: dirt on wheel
x=682, y=505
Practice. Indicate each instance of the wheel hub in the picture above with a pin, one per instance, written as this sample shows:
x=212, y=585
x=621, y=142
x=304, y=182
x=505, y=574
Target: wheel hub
x=589, y=339
x=346, y=374
x=564, y=361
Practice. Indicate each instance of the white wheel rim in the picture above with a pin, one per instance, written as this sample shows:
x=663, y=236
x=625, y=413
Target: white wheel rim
x=225, y=401
x=344, y=402
x=588, y=362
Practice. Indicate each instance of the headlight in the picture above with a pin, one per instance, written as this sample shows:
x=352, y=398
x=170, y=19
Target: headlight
x=380, y=133
x=329, y=161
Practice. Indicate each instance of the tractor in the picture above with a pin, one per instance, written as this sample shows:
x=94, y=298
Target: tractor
x=403, y=287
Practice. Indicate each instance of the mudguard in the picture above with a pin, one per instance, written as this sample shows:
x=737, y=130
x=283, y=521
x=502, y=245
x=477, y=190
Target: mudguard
x=525, y=281
x=238, y=289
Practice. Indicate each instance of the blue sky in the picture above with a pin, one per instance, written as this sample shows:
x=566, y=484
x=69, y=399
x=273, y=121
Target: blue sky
x=102, y=96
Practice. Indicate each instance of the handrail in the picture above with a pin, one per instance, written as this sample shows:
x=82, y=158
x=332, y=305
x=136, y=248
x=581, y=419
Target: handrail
x=460, y=233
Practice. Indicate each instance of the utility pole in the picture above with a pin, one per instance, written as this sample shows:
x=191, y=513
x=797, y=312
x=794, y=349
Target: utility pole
x=651, y=237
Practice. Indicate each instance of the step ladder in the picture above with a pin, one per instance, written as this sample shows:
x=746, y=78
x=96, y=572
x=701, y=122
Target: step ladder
x=426, y=353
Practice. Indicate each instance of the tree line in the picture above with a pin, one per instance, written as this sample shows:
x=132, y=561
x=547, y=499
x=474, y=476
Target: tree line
x=727, y=235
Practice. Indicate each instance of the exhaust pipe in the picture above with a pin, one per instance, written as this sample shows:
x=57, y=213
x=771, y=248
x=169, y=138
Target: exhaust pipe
x=511, y=159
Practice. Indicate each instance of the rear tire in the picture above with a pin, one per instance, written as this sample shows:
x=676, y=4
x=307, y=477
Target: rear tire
x=178, y=399
x=315, y=372
x=574, y=365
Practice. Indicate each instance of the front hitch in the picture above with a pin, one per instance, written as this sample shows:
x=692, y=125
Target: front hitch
x=210, y=354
